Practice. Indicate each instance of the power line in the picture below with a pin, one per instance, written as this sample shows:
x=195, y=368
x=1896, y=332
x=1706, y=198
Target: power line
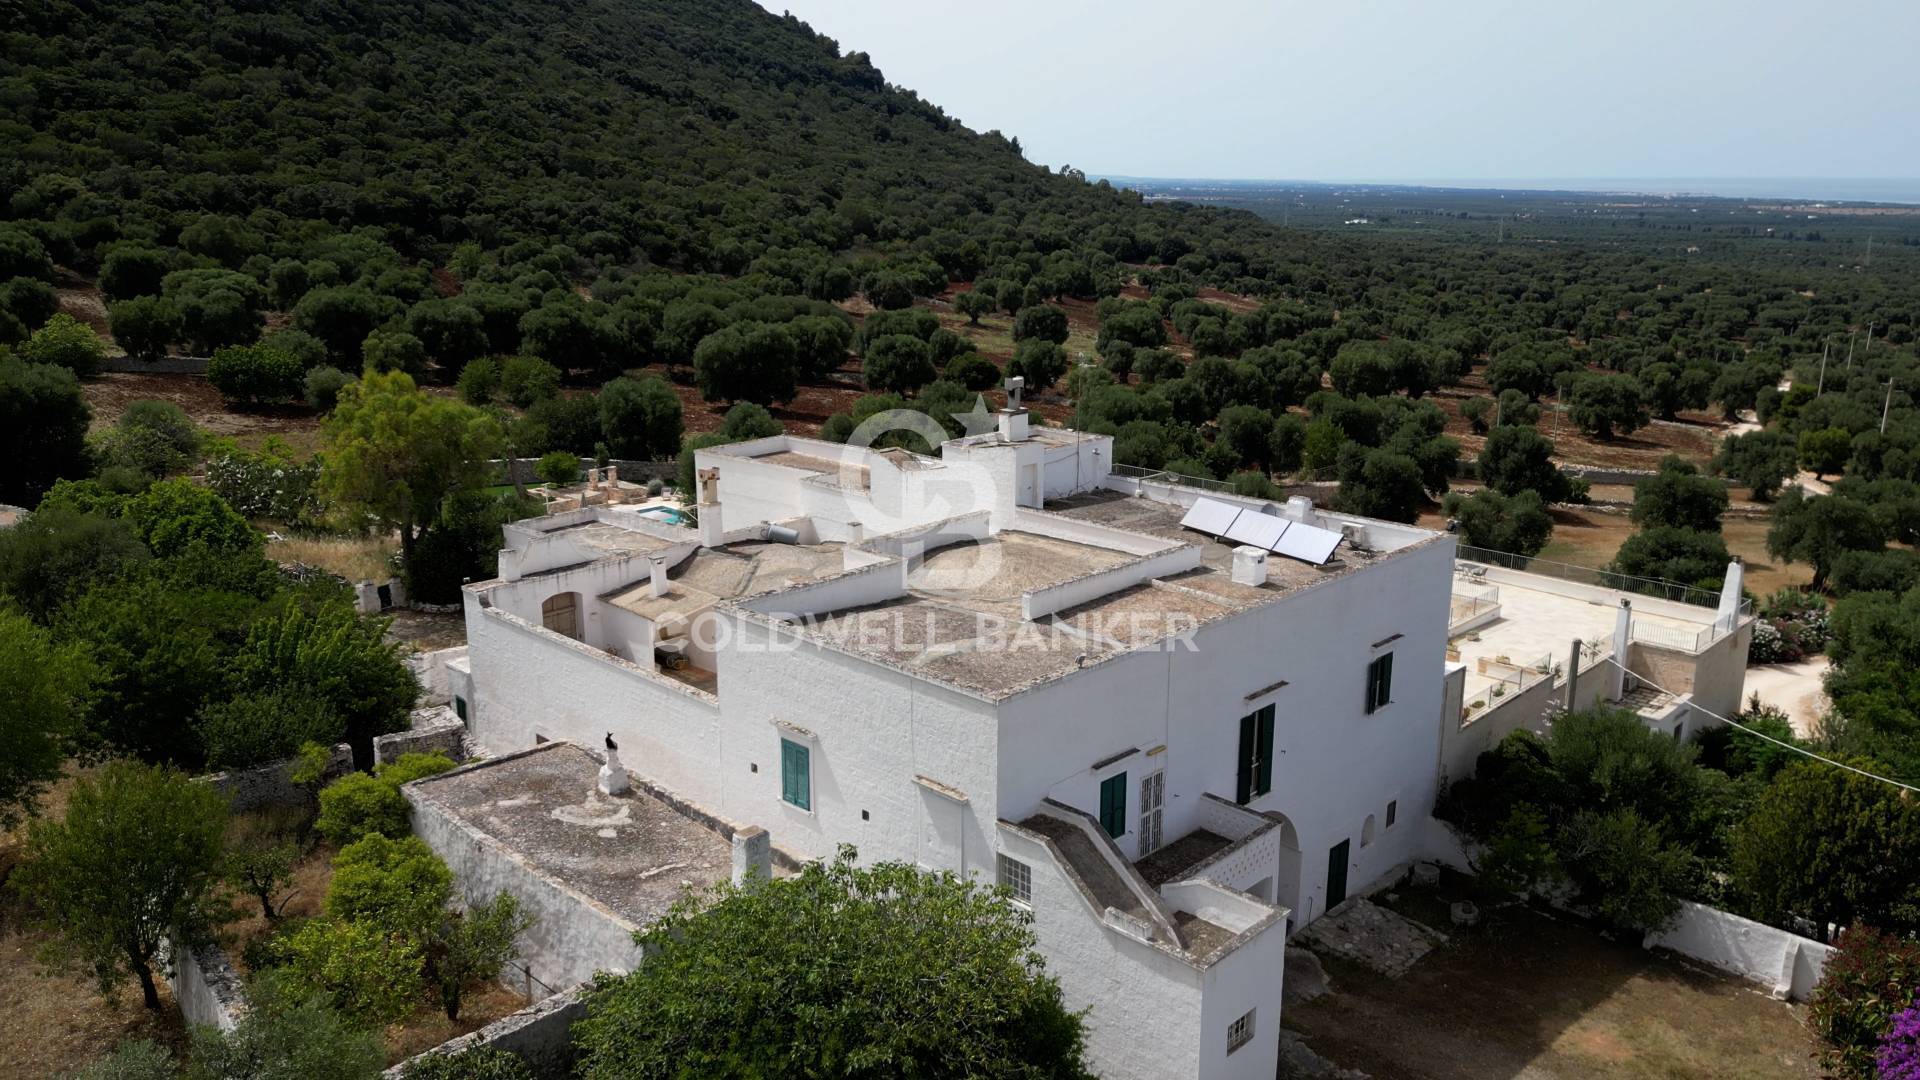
x=1763, y=735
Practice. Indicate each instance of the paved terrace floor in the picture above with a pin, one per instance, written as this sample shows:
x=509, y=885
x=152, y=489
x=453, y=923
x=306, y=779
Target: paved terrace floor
x=633, y=853
x=1537, y=623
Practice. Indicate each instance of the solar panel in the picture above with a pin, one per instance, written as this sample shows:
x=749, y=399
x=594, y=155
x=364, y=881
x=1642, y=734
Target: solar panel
x=1211, y=516
x=1308, y=543
x=1260, y=530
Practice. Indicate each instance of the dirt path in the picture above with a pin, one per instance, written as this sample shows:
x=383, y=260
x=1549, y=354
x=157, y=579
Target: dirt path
x=1794, y=688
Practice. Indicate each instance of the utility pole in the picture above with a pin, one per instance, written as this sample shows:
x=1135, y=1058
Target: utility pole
x=1850, y=335
x=1822, y=387
x=1888, y=404
x=1869, y=348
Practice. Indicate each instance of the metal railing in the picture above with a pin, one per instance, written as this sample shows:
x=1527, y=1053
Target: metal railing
x=1524, y=676
x=1605, y=579
x=1164, y=477
x=1673, y=637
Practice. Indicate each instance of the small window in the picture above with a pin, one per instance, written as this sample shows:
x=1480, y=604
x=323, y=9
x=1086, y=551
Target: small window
x=796, y=774
x=1113, y=805
x=1393, y=812
x=1255, y=775
x=1017, y=877
x=460, y=708
x=1240, y=1032
x=1379, y=682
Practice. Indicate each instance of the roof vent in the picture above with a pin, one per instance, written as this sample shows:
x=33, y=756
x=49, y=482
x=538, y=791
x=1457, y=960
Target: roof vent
x=1250, y=566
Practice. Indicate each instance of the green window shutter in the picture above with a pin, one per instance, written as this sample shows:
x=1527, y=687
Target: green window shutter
x=1263, y=774
x=1386, y=679
x=795, y=783
x=1373, y=683
x=1243, y=784
x=1113, y=805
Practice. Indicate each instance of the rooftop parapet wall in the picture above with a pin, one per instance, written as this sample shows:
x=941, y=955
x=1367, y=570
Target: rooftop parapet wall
x=1042, y=602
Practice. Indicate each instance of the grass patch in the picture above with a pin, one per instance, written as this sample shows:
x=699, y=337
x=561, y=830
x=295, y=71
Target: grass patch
x=353, y=558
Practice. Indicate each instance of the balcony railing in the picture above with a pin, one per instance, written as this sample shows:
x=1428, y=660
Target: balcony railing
x=1587, y=575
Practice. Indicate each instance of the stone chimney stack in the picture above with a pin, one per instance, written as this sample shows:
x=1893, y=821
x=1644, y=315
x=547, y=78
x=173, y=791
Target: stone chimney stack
x=752, y=854
x=657, y=566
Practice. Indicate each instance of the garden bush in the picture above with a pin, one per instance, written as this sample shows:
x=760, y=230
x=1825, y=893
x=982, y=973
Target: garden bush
x=1870, y=976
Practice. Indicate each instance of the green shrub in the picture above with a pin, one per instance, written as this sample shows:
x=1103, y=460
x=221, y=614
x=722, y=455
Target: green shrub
x=358, y=805
x=399, y=885
x=479, y=1063
x=64, y=342
x=558, y=468
x=323, y=385
x=364, y=970
x=479, y=381
x=527, y=379
x=256, y=373
x=254, y=729
x=134, y=1059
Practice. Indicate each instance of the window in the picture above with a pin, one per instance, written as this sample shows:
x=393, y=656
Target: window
x=460, y=708
x=1393, y=812
x=1018, y=879
x=1256, y=756
x=796, y=779
x=1240, y=1032
x=1113, y=805
x=1379, y=682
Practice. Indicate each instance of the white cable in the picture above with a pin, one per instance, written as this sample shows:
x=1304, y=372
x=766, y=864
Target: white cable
x=1763, y=735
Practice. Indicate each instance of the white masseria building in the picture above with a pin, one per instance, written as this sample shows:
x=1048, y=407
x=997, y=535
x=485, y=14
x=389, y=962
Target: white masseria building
x=1176, y=724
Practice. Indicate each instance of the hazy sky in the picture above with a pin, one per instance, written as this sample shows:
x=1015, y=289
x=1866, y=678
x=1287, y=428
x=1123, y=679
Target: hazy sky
x=1405, y=89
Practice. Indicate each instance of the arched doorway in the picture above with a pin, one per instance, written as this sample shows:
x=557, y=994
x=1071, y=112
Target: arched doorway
x=1286, y=880
x=560, y=613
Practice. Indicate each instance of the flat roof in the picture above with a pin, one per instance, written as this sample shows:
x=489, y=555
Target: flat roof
x=1536, y=622
x=960, y=621
x=606, y=537
x=967, y=629
x=634, y=853
x=710, y=575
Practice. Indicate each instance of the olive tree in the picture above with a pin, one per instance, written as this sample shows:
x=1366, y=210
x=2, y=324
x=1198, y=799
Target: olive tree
x=131, y=866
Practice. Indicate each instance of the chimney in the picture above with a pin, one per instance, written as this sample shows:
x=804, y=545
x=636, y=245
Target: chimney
x=1013, y=425
x=1250, y=566
x=657, y=565
x=856, y=533
x=1299, y=508
x=613, y=476
x=752, y=854
x=1729, y=614
x=1622, y=634
x=710, y=531
x=593, y=478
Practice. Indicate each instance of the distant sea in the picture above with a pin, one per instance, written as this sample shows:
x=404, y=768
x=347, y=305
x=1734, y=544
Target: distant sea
x=1829, y=189
x=1826, y=189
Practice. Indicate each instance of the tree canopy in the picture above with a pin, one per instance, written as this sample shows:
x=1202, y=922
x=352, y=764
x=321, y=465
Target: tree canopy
x=828, y=972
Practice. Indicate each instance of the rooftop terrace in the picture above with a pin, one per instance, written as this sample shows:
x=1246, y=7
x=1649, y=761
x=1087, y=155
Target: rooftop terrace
x=634, y=853
x=962, y=619
x=1538, y=618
